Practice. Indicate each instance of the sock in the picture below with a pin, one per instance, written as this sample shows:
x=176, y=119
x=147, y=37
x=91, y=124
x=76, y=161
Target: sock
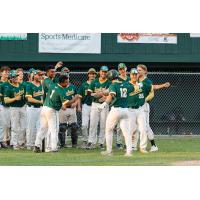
x=152, y=143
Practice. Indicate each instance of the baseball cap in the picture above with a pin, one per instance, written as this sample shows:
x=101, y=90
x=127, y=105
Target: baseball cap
x=30, y=71
x=13, y=73
x=64, y=71
x=134, y=71
x=104, y=68
x=121, y=65
x=91, y=70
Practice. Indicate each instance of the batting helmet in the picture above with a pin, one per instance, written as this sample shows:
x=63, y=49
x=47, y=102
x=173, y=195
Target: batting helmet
x=112, y=74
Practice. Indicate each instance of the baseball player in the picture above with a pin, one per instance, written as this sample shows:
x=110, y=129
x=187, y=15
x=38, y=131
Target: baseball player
x=142, y=73
x=86, y=102
x=68, y=116
x=34, y=95
x=15, y=97
x=136, y=100
x=4, y=109
x=122, y=69
x=118, y=92
x=49, y=117
x=98, y=89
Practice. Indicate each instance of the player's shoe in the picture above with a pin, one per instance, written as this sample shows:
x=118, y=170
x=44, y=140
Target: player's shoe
x=101, y=147
x=154, y=148
x=16, y=147
x=84, y=145
x=37, y=149
x=119, y=146
x=47, y=150
x=106, y=153
x=54, y=151
x=89, y=146
x=29, y=148
x=128, y=155
x=134, y=148
x=74, y=146
x=144, y=151
x=3, y=146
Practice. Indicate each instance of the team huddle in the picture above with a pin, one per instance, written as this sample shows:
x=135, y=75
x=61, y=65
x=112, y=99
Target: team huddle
x=38, y=114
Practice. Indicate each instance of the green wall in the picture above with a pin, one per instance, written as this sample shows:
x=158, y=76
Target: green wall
x=186, y=50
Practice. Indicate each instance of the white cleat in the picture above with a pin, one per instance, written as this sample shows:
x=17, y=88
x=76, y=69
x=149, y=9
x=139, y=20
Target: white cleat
x=128, y=155
x=47, y=150
x=106, y=153
x=134, y=148
x=154, y=149
x=144, y=151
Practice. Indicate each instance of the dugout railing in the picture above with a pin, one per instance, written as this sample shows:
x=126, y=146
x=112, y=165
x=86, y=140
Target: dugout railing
x=175, y=110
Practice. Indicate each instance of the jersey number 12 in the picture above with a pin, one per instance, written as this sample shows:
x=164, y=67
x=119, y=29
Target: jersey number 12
x=123, y=92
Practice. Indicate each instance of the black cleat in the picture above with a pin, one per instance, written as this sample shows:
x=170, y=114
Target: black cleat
x=3, y=146
x=37, y=149
x=101, y=147
x=89, y=146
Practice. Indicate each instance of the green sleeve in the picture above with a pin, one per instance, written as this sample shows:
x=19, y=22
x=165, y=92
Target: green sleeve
x=80, y=90
x=112, y=89
x=45, y=89
x=7, y=92
x=92, y=86
x=29, y=91
x=63, y=97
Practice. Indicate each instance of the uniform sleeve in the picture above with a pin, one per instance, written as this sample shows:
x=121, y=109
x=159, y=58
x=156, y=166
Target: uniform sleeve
x=29, y=92
x=1, y=93
x=80, y=91
x=45, y=88
x=112, y=89
x=91, y=86
x=151, y=95
x=7, y=93
x=64, y=98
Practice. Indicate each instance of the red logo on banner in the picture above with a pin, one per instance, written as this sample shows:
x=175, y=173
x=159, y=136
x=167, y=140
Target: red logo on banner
x=130, y=36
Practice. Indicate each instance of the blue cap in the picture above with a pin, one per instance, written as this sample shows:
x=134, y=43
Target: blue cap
x=134, y=71
x=104, y=68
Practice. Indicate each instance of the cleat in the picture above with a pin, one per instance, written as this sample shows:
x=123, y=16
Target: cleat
x=3, y=146
x=144, y=151
x=134, y=148
x=154, y=148
x=128, y=155
x=101, y=147
x=54, y=151
x=84, y=145
x=89, y=146
x=106, y=153
x=119, y=146
x=29, y=148
x=37, y=149
x=47, y=150
x=16, y=147
x=74, y=146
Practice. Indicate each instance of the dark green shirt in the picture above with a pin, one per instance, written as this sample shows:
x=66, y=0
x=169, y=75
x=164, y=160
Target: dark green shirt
x=82, y=91
x=120, y=92
x=70, y=91
x=124, y=80
x=147, y=86
x=55, y=97
x=3, y=86
x=35, y=92
x=12, y=91
x=97, y=86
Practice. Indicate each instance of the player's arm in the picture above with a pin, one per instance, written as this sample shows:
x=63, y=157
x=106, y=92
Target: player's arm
x=91, y=92
x=58, y=65
x=151, y=94
x=161, y=86
x=8, y=99
x=29, y=96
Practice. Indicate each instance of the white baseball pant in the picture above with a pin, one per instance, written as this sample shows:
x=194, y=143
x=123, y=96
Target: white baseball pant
x=137, y=120
x=86, y=110
x=118, y=134
x=6, y=122
x=33, y=121
x=49, y=122
x=18, y=125
x=95, y=118
x=121, y=116
x=1, y=124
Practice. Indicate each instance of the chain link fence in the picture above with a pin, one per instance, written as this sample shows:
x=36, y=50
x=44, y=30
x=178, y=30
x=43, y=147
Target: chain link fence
x=174, y=110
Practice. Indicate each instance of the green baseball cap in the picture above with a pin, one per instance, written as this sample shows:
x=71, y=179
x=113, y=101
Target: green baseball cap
x=13, y=73
x=64, y=71
x=121, y=66
x=134, y=71
x=104, y=68
x=30, y=71
x=91, y=70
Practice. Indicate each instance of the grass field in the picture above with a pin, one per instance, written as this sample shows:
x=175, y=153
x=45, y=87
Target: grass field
x=171, y=150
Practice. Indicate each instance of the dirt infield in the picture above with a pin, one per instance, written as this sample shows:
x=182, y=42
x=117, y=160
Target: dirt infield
x=187, y=163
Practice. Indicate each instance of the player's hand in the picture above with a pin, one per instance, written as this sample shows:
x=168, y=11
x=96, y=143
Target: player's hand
x=102, y=106
x=63, y=108
x=73, y=105
x=167, y=84
x=18, y=98
x=59, y=64
x=78, y=109
x=102, y=99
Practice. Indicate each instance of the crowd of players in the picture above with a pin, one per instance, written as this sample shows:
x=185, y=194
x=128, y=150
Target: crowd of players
x=45, y=107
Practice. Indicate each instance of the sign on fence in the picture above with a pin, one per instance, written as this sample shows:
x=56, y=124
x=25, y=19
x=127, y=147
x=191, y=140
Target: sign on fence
x=13, y=36
x=70, y=43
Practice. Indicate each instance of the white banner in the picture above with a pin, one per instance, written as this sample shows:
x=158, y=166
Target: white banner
x=194, y=34
x=165, y=38
x=13, y=36
x=70, y=43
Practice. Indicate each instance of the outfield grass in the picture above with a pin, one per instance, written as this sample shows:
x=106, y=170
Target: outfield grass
x=170, y=151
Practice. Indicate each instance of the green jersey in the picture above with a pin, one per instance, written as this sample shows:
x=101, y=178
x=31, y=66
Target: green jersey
x=147, y=86
x=82, y=92
x=124, y=80
x=3, y=86
x=55, y=97
x=12, y=91
x=35, y=92
x=97, y=86
x=70, y=91
x=120, y=91
x=136, y=96
x=47, y=83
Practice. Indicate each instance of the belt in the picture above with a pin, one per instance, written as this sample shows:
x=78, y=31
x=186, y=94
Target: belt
x=34, y=106
x=134, y=107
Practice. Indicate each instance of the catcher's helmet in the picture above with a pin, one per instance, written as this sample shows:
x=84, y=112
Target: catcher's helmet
x=112, y=74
